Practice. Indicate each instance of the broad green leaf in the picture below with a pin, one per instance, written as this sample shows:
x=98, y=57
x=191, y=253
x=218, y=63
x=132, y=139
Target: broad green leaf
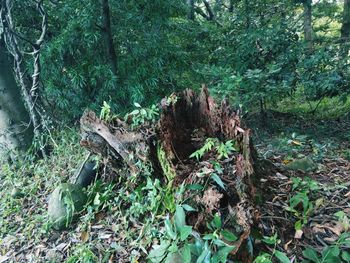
x=216, y=221
x=311, y=254
x=221, y=255
x=345, y=255
x=158, y=253
x=229, y=236
x=205, y=253
x=137, y=105
x=180, y=217
x=185, y=231
x=186, y=254
x=282, y=257
x=330, y=253
x=169, y=229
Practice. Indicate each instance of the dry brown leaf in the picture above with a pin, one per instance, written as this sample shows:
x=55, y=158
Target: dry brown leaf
x=211, y=199
x=84, y=236
x=286, y=245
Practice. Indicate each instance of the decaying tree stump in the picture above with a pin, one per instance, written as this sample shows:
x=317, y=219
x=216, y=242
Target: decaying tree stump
x=187, y=120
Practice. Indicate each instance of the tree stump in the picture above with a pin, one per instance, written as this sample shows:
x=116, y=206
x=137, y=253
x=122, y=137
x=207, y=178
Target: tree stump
x=186, y=122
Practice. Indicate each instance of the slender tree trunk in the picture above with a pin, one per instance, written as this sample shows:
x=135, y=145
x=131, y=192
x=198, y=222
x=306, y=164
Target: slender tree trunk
x=107, y=32
x=15, y=133
x=308, y=31
x=231, y=6
x=29, y=91
x=210, y=11
x=190, y=14
x=345, y=28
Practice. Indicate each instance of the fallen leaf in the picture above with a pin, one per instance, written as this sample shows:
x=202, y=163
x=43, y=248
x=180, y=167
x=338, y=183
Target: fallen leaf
x=298, y=234
x=286, y=245
x=297, y=143
x=84, y=236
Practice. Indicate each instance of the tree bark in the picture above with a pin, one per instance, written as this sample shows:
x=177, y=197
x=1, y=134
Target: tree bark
x=15, y=133
x=308, y=31
x=107, y=32
x=29, y=91
x=345, y=28
x=210, y=11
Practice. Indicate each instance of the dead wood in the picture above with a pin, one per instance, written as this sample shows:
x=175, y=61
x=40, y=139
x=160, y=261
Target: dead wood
x=186, y=121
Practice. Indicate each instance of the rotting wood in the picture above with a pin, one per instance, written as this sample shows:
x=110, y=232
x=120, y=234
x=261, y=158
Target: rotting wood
x=186, y=121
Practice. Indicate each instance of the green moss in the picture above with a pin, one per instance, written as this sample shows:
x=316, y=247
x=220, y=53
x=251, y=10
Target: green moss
x=167, y=168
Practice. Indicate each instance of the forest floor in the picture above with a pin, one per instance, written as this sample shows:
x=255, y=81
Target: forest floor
x=298, y=209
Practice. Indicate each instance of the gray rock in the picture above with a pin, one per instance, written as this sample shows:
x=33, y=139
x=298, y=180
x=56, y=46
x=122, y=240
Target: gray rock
x=65, y=203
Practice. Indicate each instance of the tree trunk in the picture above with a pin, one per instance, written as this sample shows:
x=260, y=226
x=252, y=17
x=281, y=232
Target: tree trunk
x=345, y=28
x=15, y=132
x=190, y=14
x=29, y=91
x=187, y=121
x=107, y=32
x=210, y=11
x=308, y=31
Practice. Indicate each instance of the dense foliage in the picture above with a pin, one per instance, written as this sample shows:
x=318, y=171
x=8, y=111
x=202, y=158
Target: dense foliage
x=256, y=52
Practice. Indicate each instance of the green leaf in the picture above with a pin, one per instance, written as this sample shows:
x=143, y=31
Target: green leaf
x=218, y=180
x=208, y=237
x=194, y=187
x=158, y=253
x=311, y=254
x=229, y=236
x=282, y=257
x=137, y=105
x=264, y=258
x=204, y=255
x=169, y=229
x=216, y=221
x=186, y=253
x=185, y=231
x=345, y=256
x=180, y=217
x=329, y=253
x=188, y=208
x=221, y=255
x=272, y=240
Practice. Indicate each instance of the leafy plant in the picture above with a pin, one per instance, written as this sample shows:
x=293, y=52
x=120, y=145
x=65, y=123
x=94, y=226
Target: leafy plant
x=223, y=149
x=267, y=257
x=140, y=115
x=183, y=244
x=338, y=252
x=300, y=204
x=105, y=113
